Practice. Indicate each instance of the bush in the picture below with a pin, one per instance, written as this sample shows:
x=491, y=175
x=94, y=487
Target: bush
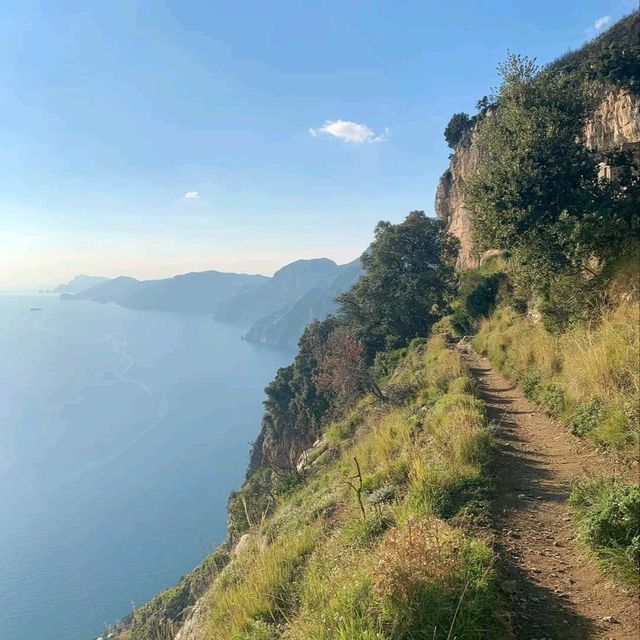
x=385, y=364
x=479, y=292
x=422, y=574
x=551, y=397
x=587, y=416
x=530, y=384
x=608, y=514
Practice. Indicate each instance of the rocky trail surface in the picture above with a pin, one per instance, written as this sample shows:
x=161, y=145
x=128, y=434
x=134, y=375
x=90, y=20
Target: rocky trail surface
x=555, y=591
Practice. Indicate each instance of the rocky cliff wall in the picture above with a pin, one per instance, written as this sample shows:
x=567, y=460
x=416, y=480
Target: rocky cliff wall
x=615, y=125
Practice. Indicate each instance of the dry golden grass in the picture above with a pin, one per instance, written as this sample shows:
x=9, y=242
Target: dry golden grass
x=600, y=361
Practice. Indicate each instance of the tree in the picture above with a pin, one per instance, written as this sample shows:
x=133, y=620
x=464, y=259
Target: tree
x=537, y=192
x=342, y=368
x=295, y=407
x=456, y=127
x=406, y=286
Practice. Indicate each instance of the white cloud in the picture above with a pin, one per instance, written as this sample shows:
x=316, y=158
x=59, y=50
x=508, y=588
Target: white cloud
x=602, y=22
x=348, y=131
x=192, y=195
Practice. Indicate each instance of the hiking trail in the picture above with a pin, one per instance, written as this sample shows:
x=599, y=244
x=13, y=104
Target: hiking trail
x=556, y=592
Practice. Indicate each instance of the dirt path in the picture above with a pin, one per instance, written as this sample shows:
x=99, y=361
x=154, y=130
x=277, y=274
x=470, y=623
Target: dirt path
x=555, y=592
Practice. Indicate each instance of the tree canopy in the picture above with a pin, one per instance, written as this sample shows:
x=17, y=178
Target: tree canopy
x=456, y=127
x=407, y=283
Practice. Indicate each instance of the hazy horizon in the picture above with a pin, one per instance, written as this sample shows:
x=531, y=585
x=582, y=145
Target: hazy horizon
x=238, y=264
x=153, y=139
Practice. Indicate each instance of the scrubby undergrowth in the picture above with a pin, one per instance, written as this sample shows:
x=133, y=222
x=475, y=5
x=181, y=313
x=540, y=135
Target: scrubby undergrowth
x=588, y=377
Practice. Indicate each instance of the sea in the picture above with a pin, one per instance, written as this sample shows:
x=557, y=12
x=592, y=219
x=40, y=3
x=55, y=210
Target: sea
x=122, y=433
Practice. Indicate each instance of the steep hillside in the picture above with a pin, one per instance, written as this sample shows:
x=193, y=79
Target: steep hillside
x=108, y=291
x=400, y=488
x=202, y=292
x=394, y=551
x=284, y=327
x=276, y=309
x=285, y=288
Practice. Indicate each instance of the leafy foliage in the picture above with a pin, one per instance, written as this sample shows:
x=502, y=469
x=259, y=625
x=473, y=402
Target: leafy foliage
x=611, y=59
x=478, y=294
x=537, y=192
x=407, y=284
x=295, y=406
x=456, y=127
x=608, y=513
x=342, y=369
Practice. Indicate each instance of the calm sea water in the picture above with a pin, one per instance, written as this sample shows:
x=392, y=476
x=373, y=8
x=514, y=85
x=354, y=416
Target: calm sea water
x=121, y=434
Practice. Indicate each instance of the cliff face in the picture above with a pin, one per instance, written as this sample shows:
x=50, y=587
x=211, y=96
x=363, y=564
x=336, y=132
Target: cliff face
x=615, y=125
x=450, y=197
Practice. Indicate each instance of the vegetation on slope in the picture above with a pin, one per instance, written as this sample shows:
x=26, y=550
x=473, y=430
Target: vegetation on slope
x=568, y=312
x=608, y=515
x=378, y=537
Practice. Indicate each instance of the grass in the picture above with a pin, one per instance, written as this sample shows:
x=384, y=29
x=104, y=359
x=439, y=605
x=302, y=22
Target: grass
x=258, y=591
x=589, y=377
x=405, y=565
x=608, y=514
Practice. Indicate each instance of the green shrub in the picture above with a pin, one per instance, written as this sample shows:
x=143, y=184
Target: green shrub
x=362, y=533
x=587, y=416
x=385, y=364
x=456, y=127
x=551, y=397
x=479, y=293
x=608, y=514
x=530, y=384
x=258, y=630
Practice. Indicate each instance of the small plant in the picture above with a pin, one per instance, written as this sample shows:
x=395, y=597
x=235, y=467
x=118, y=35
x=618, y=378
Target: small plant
x=551, y=397
x=362, y=533
x=383, y=494
x=530, y=384
x=587, y=416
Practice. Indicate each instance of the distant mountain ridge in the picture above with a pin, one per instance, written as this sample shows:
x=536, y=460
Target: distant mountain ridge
x=274, y=310
x=284, y=327
x=79, y=283
x=284, y=289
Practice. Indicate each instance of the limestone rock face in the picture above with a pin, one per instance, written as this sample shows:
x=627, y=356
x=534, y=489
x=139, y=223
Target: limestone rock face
x=450, y=197
x=615, y=125
x=193, y=627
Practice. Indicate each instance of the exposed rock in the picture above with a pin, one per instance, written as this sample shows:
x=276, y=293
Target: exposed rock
x=450, y=197
x=311, y=455
x=615, y=123
x=192, y=629
x=244, y=543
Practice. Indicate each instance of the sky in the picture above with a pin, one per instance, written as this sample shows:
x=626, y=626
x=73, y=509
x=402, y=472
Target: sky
x=156, y=137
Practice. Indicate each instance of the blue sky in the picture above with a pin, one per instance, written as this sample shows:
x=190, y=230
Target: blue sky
x=295, y=126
